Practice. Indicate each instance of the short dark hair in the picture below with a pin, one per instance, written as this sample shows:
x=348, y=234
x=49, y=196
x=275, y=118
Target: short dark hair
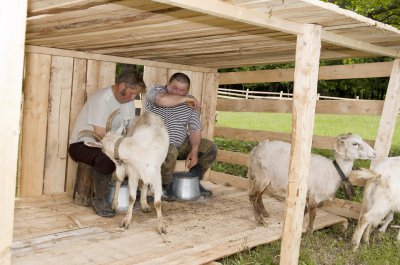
x=131, y=79
x=181, y=78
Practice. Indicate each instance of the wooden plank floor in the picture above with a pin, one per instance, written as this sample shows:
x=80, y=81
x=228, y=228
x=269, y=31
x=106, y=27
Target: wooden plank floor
x=55, y=231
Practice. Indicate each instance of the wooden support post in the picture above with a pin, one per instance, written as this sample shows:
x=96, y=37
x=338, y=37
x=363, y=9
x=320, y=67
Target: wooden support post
x=12, y=28
x=304, y=102
x=389, y=114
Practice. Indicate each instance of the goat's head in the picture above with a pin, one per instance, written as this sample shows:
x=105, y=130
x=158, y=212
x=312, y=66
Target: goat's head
x=106, y=143
x=351, y=147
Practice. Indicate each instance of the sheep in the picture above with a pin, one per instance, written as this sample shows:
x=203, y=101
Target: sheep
x=268, y=167
x=139, y=155
x=381, y=197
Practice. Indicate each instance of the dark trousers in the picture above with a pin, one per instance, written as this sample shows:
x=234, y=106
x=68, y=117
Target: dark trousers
x=92, y=156
x=207, y=154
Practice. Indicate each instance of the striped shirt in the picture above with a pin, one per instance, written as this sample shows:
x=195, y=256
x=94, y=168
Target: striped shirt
x=179, y=120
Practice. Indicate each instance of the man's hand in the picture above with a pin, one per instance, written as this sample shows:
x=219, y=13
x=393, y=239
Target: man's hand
x=191, y=160
x=193, y=103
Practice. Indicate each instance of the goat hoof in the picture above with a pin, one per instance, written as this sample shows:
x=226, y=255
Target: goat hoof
x=146, y=209
x=161, y=230
x=125, y=224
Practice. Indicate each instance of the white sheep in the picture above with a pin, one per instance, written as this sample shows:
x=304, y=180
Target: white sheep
x=268, y=170
x=139, y=155
x=381, y=197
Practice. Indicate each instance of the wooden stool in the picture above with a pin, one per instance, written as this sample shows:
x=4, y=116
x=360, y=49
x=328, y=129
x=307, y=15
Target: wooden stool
x=83, y=190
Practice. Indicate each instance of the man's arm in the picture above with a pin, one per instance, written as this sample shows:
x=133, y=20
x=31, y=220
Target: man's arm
x=172, y=100
x=192, y=158
x=99, y=131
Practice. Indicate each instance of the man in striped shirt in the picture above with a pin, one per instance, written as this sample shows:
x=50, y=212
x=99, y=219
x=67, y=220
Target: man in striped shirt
x=181, y=114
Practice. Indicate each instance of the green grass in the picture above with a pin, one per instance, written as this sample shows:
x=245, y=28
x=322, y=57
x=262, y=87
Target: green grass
x=325, y=124
x=329, y=246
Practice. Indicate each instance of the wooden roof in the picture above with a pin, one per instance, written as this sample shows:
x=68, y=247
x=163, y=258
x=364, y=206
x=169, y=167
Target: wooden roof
x=208, y=33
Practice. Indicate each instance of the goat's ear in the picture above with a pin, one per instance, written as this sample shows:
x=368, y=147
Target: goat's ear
x=339, y=146
x=93, y=144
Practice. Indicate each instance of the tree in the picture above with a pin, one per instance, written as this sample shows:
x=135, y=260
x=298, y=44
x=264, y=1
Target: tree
x=386, y=11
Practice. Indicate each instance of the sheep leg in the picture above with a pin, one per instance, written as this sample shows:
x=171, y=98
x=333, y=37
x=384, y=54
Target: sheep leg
x=143, y=198
x=398, y=236
x=388, y=219
x=157, y=205
x=312, y=212
x=362, y=224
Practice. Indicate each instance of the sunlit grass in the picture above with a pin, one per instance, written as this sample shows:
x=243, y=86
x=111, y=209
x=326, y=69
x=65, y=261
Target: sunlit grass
x=325, y=124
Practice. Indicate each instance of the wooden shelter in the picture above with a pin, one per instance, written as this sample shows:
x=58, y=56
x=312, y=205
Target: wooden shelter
x=71, y=49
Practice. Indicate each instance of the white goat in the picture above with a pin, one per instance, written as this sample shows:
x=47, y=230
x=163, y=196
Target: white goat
x=268, y=170
x=381, y=197
x=140, y=156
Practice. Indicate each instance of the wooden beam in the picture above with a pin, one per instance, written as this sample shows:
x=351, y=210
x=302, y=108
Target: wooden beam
x=12, y=28
x=390, y=112
x=233, y=12
x=323, y=142
x=232, y=157
x=348, y=209
x=304, y=101
x=229, y=11
x=55, y=7
x=115, y=59
x=342, y=107
x=342, y=41
x=332, y=72
x=229, y=180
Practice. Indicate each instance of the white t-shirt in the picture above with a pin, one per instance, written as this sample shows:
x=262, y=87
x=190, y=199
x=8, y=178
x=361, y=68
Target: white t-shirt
x=96, y=111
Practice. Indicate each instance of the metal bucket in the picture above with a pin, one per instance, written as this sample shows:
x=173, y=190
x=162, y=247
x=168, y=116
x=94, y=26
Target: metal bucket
x=186, y=188
x=123, y=197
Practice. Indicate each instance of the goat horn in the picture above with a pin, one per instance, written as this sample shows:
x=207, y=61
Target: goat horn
x=110, y=120
x=89, y=133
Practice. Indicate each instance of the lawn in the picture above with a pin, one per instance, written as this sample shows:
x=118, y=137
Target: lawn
x=330, y=246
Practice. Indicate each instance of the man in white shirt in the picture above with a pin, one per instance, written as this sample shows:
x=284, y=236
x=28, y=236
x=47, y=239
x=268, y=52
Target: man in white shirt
x=93, y=116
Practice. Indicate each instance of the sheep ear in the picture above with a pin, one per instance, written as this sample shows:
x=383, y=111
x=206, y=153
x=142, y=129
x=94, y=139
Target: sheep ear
x=93, y=144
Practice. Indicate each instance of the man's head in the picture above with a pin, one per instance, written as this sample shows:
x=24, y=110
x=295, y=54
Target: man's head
x=178, y=84
x=128, y=85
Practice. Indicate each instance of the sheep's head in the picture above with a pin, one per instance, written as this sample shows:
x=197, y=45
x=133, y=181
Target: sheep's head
x=352, y=147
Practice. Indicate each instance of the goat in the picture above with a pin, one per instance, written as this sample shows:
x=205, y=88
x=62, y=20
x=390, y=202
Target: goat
x=381, y=197
x=139, y=155
x=268, y=170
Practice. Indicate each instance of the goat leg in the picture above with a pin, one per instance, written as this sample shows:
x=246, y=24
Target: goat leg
x=388, y=219
x=143, y=198
x=133, y=183
x=312, y=212
x=157, y=205
x=114, y=204
x=362, y=224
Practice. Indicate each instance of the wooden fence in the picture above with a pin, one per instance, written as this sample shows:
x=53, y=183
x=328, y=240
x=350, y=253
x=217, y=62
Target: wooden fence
x=247, y=94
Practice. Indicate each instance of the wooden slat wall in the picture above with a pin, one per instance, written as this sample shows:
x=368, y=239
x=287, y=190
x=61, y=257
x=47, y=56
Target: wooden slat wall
x=33, y=146
x=55, y=88
x=78, y=98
